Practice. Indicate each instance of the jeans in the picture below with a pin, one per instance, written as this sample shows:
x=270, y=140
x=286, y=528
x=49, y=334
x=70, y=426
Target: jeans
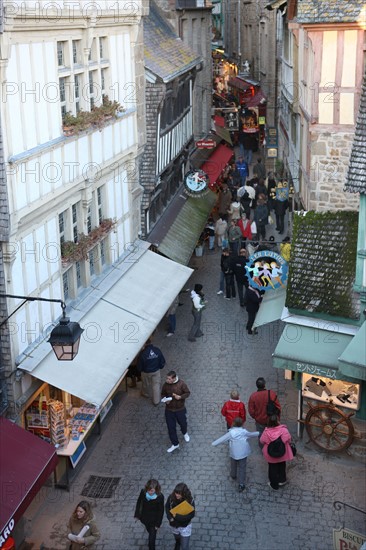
x=234, y=247
x=240, y=286
x=230, y=285
x=280, y=222
x=259, y=428
x=172, y=418
x=238, y=469
x=172, y=323
x=211, y=242
x=196, y=327
x=184, y=542
x=151, y=385
x=276, y=473
x=248, y=156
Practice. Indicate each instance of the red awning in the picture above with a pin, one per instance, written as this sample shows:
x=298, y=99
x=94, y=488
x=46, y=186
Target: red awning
x=217, y=162
x=258, y=99
x=238, y=82
x=26, y=461
x=219, y=121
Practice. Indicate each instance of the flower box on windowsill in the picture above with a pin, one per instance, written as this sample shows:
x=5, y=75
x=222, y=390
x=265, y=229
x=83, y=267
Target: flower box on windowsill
x=72, y=252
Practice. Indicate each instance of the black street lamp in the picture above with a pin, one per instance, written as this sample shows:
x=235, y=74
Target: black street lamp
x=64, y=338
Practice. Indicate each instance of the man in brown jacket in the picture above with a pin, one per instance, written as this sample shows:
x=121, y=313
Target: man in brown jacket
x=174, y=393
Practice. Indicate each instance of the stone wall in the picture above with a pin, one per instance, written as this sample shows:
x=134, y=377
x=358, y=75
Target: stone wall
x=330, y=153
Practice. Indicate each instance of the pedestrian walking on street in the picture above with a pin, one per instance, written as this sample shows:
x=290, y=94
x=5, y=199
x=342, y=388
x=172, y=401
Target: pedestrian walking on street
x=239, y=449
x=221, y=230
x=258, y=404
x=252, y=302
x=261, y=216
x=276, y=450
x=150, y=509
x=239, y=263
x=198, y=303
x=174, y=394
x=83, y=529
x=228, y=273
x=180, y=523
x=151, y=361
x=259, y=170
x=225, y=199
x=234, y=236
x=171, y=314
x=234, y=408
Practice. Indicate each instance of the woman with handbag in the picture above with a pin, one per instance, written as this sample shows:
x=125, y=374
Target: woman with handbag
x=276, y=440
x=180, y=523
x=150, y=509
x=83, y=530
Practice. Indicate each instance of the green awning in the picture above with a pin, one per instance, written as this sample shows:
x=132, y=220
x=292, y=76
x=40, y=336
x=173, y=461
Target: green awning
x=352, y=361
x=181, y=238
x=271, y=307
x=224, y=134
x=312, y=351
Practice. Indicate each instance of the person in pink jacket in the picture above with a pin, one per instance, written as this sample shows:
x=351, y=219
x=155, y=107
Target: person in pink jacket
x=276, y=466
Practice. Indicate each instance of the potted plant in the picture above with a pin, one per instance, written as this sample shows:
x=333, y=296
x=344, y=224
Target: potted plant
x=72, y=124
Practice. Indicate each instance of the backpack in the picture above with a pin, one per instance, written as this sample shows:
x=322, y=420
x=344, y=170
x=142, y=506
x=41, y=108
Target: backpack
x=271, y=406
x=276, y=448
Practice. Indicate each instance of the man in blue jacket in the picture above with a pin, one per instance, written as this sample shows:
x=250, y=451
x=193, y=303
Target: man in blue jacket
x=150, y=362
x=243, y=170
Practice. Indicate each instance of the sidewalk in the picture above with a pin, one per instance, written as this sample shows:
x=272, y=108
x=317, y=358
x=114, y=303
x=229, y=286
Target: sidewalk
x=134, y=442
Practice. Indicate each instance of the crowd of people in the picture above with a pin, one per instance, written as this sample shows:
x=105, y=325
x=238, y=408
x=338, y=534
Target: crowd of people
x=238, y=228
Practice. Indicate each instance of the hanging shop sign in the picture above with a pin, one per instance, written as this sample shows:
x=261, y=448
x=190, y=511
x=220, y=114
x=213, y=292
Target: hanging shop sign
x=249, y=120
x=206, y=144
x=262, y=120
x=196, y=182
x=272, y=153
x=345, y=539
x=329, y=390
x=267, y=270
x=232, y=121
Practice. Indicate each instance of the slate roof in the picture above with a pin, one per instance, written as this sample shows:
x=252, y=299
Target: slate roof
x=356, y=178
x=323, y=264
x=330, y=11
x=165, y=54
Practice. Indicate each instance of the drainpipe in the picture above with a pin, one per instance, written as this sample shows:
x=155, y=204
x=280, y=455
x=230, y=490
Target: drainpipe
x=239, y=30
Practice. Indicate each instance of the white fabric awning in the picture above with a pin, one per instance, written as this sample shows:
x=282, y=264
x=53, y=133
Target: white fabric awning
x=115, y=329
x=271, y=307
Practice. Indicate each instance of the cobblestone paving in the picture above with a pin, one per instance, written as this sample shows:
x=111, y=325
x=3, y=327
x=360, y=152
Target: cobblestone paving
x=134, y=442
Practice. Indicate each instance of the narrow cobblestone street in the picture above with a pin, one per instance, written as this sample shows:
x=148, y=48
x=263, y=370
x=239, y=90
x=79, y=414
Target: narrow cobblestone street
x=134, y=441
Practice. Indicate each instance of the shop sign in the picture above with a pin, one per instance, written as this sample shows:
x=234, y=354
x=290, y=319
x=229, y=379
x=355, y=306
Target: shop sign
x=232, y=121
x=272, y=152
x=262, y=120
x=6, y=531
x=330, y=390
x=196, y=182
x=249, y=119
x=345, y=539
x=317, y=371
x=267, y=270
x=271, y=137
x=205, y=144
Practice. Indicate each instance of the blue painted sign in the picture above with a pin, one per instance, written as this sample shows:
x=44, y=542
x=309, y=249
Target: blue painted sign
x=267, y=270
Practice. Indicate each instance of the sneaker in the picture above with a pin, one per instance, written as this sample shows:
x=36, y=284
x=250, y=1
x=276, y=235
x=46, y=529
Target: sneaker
x=169, y=334
x=186, y=437
x=172, y=448
x=270, y=486
x=241, y=488
x=226, y=298
x=220, y=292
x=283, y=483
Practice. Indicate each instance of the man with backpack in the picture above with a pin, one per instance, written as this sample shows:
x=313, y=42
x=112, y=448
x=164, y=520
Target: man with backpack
x=262, y=404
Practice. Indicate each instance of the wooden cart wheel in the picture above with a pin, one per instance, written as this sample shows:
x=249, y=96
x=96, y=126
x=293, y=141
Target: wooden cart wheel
x=329, y=428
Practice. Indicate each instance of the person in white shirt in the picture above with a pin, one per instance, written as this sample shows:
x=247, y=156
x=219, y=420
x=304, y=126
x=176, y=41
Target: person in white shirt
x=198, y=304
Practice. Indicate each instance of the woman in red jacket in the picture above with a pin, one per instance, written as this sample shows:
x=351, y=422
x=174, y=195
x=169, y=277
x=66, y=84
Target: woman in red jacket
x=276, y=465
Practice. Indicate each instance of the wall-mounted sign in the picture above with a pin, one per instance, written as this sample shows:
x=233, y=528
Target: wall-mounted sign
x=206, y=144
x=262, y=120
x=271, y=137
x=272, y=153
x=345, y=539
x=232, y=121
x=267, y=270
x=196, y=182
x=339, y=392
x=249, y=120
